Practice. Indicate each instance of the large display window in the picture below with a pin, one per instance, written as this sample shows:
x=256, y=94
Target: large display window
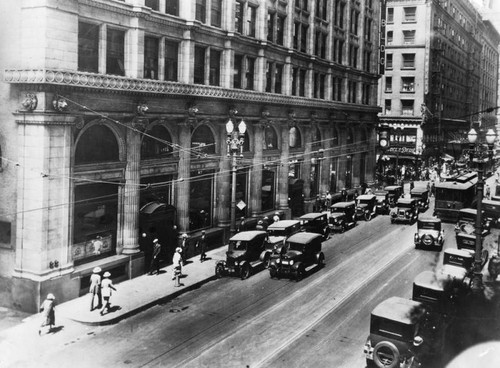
x=268, y=190
x=200, y=199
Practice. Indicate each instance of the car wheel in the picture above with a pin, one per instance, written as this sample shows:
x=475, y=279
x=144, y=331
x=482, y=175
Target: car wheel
x=386, y=355
x=428, y=240
x=245, y=271
x=321, y=260
x=326, y=233
x=273, y=272
x=299, y=274
x=368, y=216
x=342, y=228
x=267, y=260
x=219, y=271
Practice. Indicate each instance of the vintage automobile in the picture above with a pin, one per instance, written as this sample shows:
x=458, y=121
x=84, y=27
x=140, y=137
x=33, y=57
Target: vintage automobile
x=430, y=233
x=302, y=252
x=467, y=221
x=422, y=197
x=432, y=291
x=366, y=206
x=383, y=205
x=277, y=233
x=457, y=266
x=406, y=210
x=491, y=211
x=399, y=329
x=243, y=254
x=315, y=222
x=395, y=192
x=342, y=216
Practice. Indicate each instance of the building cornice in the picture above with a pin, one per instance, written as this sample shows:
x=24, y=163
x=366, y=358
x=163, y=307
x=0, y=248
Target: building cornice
x=111, y=83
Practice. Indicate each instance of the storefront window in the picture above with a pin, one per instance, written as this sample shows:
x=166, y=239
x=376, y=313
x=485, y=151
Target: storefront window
x=97, y=144
x=202, y=141
x=158, y=145
x=95, y=221
x=157, y=189
x=200, y=199
x=268, y=189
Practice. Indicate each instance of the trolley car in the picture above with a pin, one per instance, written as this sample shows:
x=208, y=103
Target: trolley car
x=454, y=194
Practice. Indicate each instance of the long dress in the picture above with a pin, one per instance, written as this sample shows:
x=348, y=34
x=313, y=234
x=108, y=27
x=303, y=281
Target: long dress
x=48, y=312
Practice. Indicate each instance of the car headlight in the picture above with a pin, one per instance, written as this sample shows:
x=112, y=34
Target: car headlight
x=278, y=260
x=236, y=263
x=291, y=262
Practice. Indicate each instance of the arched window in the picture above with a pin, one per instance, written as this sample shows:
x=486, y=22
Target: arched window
x=295, y=138
x=270, y=138
x=350, y=136
x=316, y=142
x=159, y=146
x=335, y=137
x=97, y=144
x=202, y=140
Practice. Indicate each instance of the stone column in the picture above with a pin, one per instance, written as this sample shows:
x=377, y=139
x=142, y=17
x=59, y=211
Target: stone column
x=324, y=181
x=132, y=186
x=257, y=167
x=341, y=174
x=184, y=172
x=306, y=167
x=283, y=168
x=223, y=182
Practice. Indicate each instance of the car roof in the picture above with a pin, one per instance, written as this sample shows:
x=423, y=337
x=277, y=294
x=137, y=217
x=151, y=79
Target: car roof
x=469, y=210
x=406, y=200
x=491, y=201
x=381, y=192
x=366, y=196
x=281, y=224
x=303, y=237
x=392, y=187
x=312, y=215
x=418, y=190
x=458, y=252
x=397, y=309
x=429, y=219
x=247, y=235
x=343, y=204
x=429, y=280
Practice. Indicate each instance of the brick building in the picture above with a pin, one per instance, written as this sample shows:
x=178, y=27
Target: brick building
x=112, y=129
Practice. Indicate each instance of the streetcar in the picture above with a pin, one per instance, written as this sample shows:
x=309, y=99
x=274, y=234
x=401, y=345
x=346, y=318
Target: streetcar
x=455, y=193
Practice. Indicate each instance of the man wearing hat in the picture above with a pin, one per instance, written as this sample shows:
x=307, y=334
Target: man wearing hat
x=155, y=262
x=177, y=263
x=48, y=312
x=202, y=245
x=106, y=286
x=95, y=288
x=184, y=246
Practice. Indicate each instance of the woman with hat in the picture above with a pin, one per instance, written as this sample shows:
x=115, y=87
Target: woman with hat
x=48, y=312
x=106, y=286
x=177, y=263
x=95, y=288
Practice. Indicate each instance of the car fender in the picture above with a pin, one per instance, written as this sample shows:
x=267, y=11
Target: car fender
x=264, y=254
x=243, y=263
x=296, y=265
x=221, y=262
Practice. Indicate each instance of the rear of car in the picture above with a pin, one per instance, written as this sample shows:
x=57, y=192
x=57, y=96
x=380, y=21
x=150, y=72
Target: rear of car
x=429, y=233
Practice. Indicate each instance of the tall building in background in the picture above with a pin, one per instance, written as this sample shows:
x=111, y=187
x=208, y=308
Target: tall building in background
x=441, y=71
x=113, y=125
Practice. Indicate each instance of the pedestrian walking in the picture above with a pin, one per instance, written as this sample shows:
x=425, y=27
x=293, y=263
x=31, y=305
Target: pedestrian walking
x=48, y=313
x=184, y=248
x=241, y=225
x=106, y=286
x=202, y=245
x=155, y=262
x=177, y=263
x=95, y=289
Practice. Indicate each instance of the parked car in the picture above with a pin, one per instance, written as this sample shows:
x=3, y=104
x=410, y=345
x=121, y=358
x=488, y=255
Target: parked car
x=342, y=216
x=422, y=197
x=383, y=202
x=406, y=210
x=395, y=192
x=491, y=210
x=457, y=265
x=366, y=206
x=315, y=222
x=277, y=233
x=302, y=253
x=243, y=254
x=399, y=330
x=467, y=221
x=430, y=233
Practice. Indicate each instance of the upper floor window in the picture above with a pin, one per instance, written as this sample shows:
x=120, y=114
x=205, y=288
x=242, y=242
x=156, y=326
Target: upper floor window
x=410, y=14
x=199, y=65
x=216, y=13
x=274, y=77
x=388, y=84
x=390, y=15
x=252, y=20
x=367, y=60
x=409, y=37
x=115, y=52
x=300, y=36
x=238, y=17
x=153, y=4
x=368, y=28
x=214, y=72
x=271, y=20
x=172, y=7
x=302, y=4
x=390, y=37
x=338, y=50
x=408, y=84
x=388, y=107
x=250, y=73
x=353, y=56
x=238, y=71
x=151, y=49
x=388, y=61
x=339, y=13
x=171, y=60
x=337, y=89
x=351, y=91
x=88, y=47
x=354, y=21
x=409, y=61
x=321, y=9
x=319, y=85
x=366, y=93
x=320, y=44
x=407, y=107
x=201, y=10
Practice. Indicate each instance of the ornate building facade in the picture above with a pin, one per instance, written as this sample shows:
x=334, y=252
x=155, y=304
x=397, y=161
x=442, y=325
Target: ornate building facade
x=113, y=127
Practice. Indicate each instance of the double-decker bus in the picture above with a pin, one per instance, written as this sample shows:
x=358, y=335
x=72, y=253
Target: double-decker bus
x=455, y=193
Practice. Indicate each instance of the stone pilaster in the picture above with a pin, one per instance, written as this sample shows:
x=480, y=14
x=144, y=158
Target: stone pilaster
x=256, y=174
x=283, y=168
x=324, y=181
x=306, y=163
x=223, y=183
x=184, y=172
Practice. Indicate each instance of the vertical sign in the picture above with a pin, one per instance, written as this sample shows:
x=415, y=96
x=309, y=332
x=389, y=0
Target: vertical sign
x=383, y=22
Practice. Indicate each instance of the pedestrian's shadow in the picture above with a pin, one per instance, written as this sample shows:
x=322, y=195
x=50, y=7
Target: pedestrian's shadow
x=162, y=272
x=183, y=276
x=207, y=259
x=114, y=308
x=56, y=329
x=187, y=262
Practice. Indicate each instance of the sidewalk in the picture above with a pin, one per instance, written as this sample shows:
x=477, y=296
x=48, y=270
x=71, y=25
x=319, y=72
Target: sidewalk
x=138, y=294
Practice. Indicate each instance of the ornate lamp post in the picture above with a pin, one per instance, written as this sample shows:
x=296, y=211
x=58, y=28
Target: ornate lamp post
x=479, y=154
x=235, y=140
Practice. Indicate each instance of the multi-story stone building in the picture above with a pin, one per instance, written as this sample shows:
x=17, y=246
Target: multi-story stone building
x=113, y=126
x=440, y=72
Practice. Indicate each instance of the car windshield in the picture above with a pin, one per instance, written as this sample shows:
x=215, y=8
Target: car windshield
x=364, y=201
x=429, y=225
x=404, y=205
x=277, y=232
x=295, y=246
x=339, y=209
x=237, y=245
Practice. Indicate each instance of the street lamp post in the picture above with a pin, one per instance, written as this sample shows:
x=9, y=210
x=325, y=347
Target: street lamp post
x=235, y=140
x=479, y=155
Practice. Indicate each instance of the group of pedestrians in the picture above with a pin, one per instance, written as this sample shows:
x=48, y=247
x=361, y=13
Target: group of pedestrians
x=100, y=291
